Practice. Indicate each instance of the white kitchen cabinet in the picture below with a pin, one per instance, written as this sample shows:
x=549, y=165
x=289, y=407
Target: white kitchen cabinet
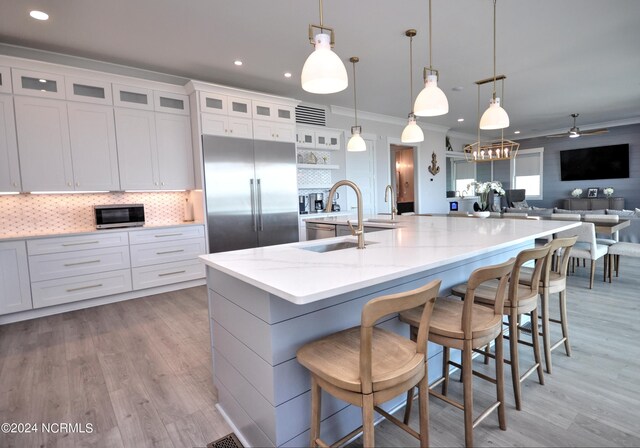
x=225, y=105
x=9, y=166
x=40, y=84
x=166, y=251
x=271, y=130
x=93, y=147
x=5, y=80
x=172, y=103
x=305, y=138
x=273, y=112
x=87, y=241
x=227, y=126
x=137, y=149
x=330, y=140
x=43, y=144
x=166, y=234
x=88, y=90
x=132, y=97
x=15, y=293
x=175, y=153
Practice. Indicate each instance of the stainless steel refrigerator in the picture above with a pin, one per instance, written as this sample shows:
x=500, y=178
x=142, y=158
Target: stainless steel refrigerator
x=251, y=192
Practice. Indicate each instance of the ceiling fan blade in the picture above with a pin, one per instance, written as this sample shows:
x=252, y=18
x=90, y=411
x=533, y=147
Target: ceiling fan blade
x=594, y=131
x=564, y=134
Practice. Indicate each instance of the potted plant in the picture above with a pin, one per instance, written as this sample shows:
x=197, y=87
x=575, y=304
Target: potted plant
x=576, y=193
x=608, y=192
x=482, y=189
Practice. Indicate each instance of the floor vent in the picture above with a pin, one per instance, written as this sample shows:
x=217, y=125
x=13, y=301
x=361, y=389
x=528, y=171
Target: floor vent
x=228, y=441
x=311, y=115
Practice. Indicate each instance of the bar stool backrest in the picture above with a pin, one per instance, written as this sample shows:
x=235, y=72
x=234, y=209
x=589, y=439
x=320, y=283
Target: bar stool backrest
x=500, y=272
x=538, y=255
x=567, y=216
x=561, y=247
x=380, y=307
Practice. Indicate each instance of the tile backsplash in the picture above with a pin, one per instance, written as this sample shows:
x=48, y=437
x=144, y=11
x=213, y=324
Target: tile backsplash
x=33, y=214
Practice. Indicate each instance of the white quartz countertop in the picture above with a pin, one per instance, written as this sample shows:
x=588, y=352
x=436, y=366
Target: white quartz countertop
x=86, y=230
x=418, y=243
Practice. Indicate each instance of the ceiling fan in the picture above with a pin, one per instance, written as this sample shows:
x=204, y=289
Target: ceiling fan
x=576, y=132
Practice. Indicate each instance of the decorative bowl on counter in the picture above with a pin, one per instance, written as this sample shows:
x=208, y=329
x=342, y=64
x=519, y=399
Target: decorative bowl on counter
x=483, y=214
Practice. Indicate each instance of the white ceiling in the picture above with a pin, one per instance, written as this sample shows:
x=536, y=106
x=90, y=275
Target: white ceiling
x=559, y=57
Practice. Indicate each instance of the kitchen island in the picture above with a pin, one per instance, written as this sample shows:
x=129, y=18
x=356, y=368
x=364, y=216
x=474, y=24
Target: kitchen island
x=265, y=303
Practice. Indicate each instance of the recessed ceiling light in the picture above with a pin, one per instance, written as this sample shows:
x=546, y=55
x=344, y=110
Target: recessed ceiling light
x=516, y=132
x=39, y=15
x=287, y=75
x=238, y=62
x=458, y=89
x=43, y=81
x=460, y=120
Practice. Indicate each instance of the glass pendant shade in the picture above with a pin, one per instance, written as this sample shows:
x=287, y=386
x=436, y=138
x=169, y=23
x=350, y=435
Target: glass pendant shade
x=431, y=101
x=356, y=142
x=323, y=71
x=495, y=117
x=412, y=132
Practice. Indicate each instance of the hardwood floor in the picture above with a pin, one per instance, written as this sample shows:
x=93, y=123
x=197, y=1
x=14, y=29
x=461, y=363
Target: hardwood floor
x=140, y=373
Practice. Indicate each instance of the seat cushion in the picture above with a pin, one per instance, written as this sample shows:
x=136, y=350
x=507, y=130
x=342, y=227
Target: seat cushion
x=486, y=293
x=626, y=249
x=583, y=250
x=336, y=359
x=606, y=241
x=446, y=319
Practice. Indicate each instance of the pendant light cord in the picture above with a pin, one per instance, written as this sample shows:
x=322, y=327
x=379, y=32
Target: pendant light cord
x=411, y=73
x=430, y=35
x=320, y=2
x=355, y=98
x=494, y=49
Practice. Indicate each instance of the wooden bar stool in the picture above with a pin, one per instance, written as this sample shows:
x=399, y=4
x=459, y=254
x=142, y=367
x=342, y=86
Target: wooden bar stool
x=367, y=365
x=519, y=299
x=554, y=280
x=465, y=325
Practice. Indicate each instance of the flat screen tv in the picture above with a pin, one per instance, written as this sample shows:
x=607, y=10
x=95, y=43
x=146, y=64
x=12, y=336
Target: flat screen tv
x=603, y=162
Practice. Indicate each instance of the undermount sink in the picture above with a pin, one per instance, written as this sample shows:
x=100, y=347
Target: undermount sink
x=330, y=247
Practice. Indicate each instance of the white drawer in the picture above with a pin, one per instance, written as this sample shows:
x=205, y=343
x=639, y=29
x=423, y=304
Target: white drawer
x=166, y=251
x=79, y=242
x=170, y=234
x=68, y=264
x=73, y=289
x=166, y=274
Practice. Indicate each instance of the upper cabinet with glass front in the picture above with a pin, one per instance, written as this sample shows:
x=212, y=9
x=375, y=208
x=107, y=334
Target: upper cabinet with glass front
x=44, y=85
x=172, y=103
x=88, y=90
x=225, y=105
x=5, y=80
x=132, y=97
x=273, y=112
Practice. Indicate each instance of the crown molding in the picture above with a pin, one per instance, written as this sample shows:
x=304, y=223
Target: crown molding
x=381, y=118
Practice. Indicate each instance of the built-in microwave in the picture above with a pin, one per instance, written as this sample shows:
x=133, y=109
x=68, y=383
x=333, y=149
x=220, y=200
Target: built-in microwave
x=121, y=215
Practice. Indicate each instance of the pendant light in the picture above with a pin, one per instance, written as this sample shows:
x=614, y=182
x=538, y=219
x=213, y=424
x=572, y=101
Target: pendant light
x=495, y=117
x=412, y=132
x=356, y=143
x=323, y=71
x=431, y=101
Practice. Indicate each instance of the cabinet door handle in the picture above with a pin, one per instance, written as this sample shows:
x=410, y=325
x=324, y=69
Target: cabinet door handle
x=81, y=262
x=260, y=205
x=77, y=184
x=253, y=205
x=82, y=243
x=171, y=273
x=170, y=252
x=84, y=287
x=162, y=235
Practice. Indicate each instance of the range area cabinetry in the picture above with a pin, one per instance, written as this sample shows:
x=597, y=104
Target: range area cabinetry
x=74, y=132
x=15, y=294
x=593, y=203
x=317, y=148
x=44, y=272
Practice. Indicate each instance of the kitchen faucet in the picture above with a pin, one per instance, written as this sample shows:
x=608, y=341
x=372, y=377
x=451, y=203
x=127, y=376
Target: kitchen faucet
x=394, y=207
x=359, y=232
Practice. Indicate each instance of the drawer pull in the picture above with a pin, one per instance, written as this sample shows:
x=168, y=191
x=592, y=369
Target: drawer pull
x=81, y=262
x=168, y=234
x=171, y=273
x=80, y=244
x=84, y=287
x=170, y=252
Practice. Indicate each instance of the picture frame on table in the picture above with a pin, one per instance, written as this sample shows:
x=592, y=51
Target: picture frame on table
x=592, y=193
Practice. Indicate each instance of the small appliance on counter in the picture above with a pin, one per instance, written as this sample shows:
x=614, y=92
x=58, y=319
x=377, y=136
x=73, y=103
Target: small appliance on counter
x=302, y=202
x=335, y=207
x=316, y=202
x=119, y=215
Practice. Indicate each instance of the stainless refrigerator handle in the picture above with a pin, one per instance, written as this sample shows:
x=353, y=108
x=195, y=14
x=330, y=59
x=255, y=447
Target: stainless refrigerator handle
x=253, y=206
x=260, y=205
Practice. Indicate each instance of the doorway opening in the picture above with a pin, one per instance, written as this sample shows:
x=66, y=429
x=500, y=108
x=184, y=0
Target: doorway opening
x=403, y=177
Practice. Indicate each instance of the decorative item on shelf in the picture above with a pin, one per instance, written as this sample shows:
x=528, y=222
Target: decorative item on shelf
x=608, y=192
x=431, y=101
x=300, y=158
x=412, y=132
x=482, y=189
x=325, y=159
x=313, y=159
x=576, y=193
x=495, y=117
x=434, y=168
x=356, y=142
x=323, y=71
x=447, y=143
x=592, y=193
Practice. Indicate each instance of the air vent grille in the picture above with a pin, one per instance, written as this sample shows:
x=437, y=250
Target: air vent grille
x=311, y=115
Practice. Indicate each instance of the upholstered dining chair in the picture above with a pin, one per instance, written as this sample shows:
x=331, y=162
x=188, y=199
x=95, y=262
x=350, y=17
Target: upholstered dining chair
x=586, y=247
